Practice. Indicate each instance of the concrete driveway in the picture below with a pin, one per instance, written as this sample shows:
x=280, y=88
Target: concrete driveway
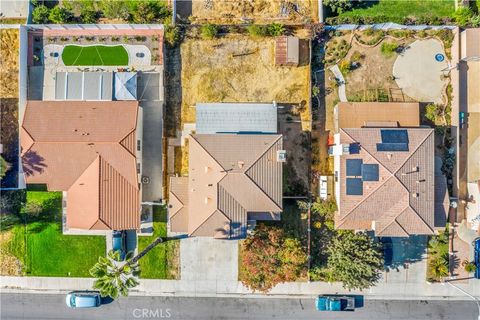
x=207, y=259
x=417, y=72
x=405, y=259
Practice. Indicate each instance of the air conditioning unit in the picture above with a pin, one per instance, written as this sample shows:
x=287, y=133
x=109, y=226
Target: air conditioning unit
x=281, y=156
x=145, y=180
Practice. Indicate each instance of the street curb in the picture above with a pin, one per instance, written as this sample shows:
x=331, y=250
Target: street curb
x=242, y=296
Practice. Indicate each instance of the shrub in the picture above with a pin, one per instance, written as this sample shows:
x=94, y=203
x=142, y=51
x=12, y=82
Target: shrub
x=431, y=112
x=470, y=267
x=40, y=14
x=172, y=36
x=345, y=67
x=257, y=31
x=4, y=167
x=388, y=49
x=270, y=257
x=357, y=56
x=60, y=15
x=338, y=6
x=276, y=29
x=462, y=16
x=208, y=31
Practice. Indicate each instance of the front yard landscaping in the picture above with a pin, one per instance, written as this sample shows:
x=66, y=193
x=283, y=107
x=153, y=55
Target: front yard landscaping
x=37, y=243
x=96, y=55
x=162, y=261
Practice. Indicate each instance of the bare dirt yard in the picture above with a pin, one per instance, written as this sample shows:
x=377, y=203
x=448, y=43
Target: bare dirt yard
x=9, y=46
x=239, y=68
x=258, y=11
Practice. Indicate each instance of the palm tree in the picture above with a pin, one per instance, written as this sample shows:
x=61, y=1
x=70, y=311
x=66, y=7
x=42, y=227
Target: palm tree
x=114, y=279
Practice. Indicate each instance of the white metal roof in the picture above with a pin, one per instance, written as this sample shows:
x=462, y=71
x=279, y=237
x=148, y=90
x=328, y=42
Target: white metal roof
x=236, y=117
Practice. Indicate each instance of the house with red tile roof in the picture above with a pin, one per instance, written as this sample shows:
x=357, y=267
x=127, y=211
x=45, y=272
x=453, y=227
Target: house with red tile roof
x=385, y=175
x=88, y=150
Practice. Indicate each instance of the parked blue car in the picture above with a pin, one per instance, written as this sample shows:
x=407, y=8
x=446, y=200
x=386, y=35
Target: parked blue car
x=83, y=300
x=335, y=303
x=476, y=246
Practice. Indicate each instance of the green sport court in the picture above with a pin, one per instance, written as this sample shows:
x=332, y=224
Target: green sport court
x=96, y=55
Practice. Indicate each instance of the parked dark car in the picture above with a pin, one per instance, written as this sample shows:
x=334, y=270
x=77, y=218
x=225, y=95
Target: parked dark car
x=119, y=243
x=335, y=303
x=83, y=300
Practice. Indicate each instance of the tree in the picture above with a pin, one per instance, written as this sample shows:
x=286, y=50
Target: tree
x=338, y=6
x=149, y=12
x=113, y=279
x=470, y=267
x=88, y=15
x=172, y=35
x=276, y=29
x=40, y=14
x=60, y=15
x=115, y=9
x=208, y=31
x=269, y=258
x=4, y=167
x=355, y=259
x=439, y=267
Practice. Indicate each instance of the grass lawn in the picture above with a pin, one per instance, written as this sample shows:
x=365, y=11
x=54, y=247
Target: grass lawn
x=396, y=10
x=95, y=56
x=162, y=261
x=44, y=250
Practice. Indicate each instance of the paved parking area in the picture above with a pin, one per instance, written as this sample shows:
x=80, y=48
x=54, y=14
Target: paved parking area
x=209, y=259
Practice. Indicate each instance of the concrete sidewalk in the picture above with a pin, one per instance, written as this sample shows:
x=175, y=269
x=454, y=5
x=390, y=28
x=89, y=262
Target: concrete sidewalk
x=192, y=288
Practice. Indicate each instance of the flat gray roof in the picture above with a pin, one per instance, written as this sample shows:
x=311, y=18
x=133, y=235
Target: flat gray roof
x=236, y=117
x=83, y=86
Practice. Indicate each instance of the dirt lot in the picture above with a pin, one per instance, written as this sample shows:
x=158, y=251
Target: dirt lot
x=238, y=68
x=9, y=45
x=258, y=11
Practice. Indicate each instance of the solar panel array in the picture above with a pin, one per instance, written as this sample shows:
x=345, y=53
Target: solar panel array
x=393, y=140
x=357, y=173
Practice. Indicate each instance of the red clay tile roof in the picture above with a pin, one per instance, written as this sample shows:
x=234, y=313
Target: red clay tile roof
x=402, y=201
x=88, y=150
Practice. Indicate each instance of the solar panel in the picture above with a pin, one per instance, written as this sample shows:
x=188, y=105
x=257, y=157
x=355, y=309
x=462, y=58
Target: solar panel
x=354, y=148
x=392, y=147
x=394, y=136
x=354, y=167
x=354, y=186
x=370, y=172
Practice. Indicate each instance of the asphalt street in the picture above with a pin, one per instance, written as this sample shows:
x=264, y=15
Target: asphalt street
x=52, y=306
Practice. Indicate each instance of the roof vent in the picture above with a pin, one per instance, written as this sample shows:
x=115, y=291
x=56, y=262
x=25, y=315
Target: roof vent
x=281, y=156
x=240, y=164
x=145, y=180
x=415, y=195
x=415, y=169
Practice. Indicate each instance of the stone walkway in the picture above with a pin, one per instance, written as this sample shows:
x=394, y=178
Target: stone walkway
x=341, y=83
